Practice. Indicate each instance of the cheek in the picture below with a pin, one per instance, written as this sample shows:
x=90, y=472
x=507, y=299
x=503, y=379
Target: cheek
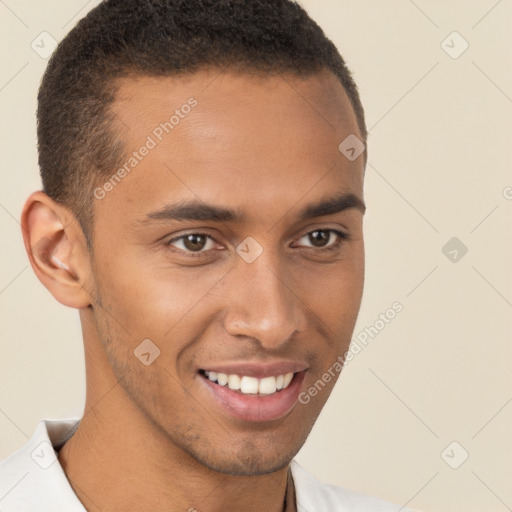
x=149, y=299
x=334, y=298
x=335, y=292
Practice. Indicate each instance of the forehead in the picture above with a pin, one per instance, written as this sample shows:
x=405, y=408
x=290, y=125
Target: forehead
x=319, y=93
x=233, y=138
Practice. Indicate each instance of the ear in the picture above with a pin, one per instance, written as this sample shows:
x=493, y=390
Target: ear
x=57, y=250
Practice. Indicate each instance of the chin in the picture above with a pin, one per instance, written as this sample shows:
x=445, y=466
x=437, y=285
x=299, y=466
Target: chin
x=250, y=459
x=252, y=465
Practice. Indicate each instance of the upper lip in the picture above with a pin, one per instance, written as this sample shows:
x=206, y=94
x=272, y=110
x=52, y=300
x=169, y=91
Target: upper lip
x=257, y=370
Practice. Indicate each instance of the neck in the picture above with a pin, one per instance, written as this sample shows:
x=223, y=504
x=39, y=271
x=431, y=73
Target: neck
x=114, y=464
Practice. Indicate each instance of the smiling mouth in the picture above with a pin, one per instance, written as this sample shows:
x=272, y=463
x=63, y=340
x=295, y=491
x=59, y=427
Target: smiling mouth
x=248, y=385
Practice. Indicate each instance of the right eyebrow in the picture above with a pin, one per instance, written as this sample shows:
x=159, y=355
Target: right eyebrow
x=194, y=210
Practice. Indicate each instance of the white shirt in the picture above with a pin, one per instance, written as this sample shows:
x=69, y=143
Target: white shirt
x=32, y=480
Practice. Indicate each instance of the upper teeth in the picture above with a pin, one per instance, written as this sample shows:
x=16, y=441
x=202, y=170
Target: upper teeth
x=251, y=385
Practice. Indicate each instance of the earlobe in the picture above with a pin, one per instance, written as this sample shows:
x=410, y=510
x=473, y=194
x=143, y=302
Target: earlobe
x=55, y=246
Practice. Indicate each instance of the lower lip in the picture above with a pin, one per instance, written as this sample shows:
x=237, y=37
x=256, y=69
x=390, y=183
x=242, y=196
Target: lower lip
x=257, y=408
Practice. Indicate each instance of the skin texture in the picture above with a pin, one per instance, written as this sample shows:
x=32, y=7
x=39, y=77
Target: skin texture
x=151, y=438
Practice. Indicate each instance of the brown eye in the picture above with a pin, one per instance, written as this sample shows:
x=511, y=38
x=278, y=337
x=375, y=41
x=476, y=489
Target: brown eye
x=192, y=242
x=321, y=238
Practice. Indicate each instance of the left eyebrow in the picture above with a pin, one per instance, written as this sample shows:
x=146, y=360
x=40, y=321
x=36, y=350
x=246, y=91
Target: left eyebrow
x=331, y=206
x=197, y=210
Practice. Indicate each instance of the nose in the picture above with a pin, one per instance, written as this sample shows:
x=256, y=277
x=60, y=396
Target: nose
x=261, y=302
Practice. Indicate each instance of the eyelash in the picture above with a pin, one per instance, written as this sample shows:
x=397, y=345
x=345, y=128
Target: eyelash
x=342, y=237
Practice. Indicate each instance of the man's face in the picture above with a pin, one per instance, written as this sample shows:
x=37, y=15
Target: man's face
x=268, y=293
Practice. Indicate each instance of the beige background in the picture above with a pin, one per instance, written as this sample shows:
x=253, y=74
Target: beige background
x=439, y=165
